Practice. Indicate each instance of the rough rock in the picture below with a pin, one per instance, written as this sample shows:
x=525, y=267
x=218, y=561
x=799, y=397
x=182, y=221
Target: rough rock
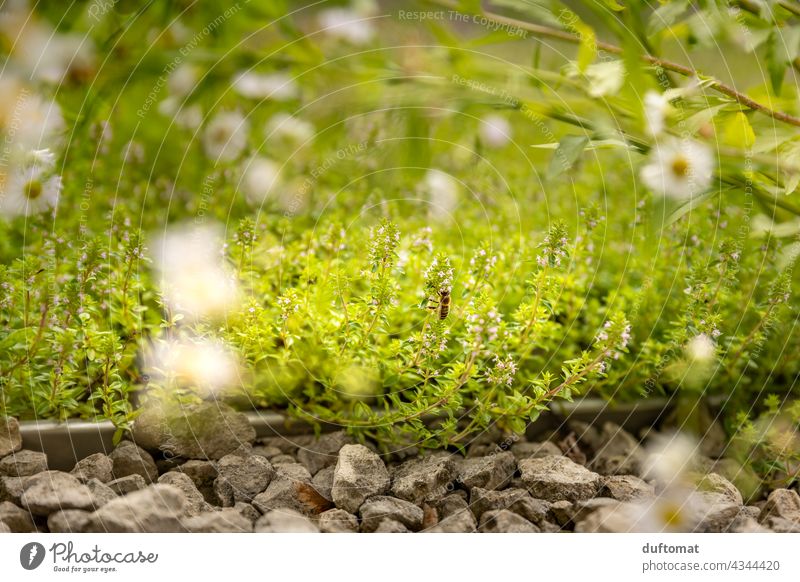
x=626, y=488
x=51, y=491
x=97, y=466
x=376, y=509
x=516, y=500
x=10, y=437
x=492, y=472
x=102, y=492
x=293, y=471
x=4, y=528
x=23, y=463
x=747, y=525
x=245, y=476
x=130, y=459
x=17, y=519
x=391, y=526
x=719, y=518
x=284, y=521
x=423, y=479
x=68, y=521
x=337, y=521
x=323, y=482
x=283, y=460
x=195, y=503
x=203, y=474
x=158, y=508
x=129, y=484
x=455, y=516
x=11, y=489
x=505, y=521
x=783, y=503
x=359, y=474
x=581, y=510
x=267, y=452
x=198, y=431
x=719, y=490
x=528, y=450
x=558, y=478
x=285, y=493
x=619, y=518
x=248, y=511
x=560, y=512
x=225, y=521
x=322, y=452
x=620, y=453
x=782, y=525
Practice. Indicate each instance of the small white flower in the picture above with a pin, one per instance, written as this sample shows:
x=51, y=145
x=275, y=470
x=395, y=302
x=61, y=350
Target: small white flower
x=283, y=125
x=495, y=131
x=35, y=122
x=678, y=169
x=193, y=364
x=347, y=24
x=225, y=136
x=276, y=86
x=656, y=109
x=182, y=80
x=701, y=348
x=29, y=190
x=260, y=177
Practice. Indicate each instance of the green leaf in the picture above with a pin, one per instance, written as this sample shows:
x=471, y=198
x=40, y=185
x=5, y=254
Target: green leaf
x=782, y=48
x=665, y=16
x=567, y=153
x=737, y=132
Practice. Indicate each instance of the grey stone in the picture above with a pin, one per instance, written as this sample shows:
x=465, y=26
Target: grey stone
x=747, y=525
x=492, y=472
x=505, y=521
x=51, y=491
x=285, y=493
x=203, y=474
x=558, y=478
x=102, y=492
x=516, y=500
x=195, y=503
x=293, y=471
x=722, y=490
x=423, y=479
x=68, y=521
x=783, y=503
x=528, y=450
x=284, y=521
x=267, y=452
x=359, y=474
x=10, y=437
x=719, y=518
x=157, y=508
x=17, y=519
x=197, y=431
x=455, y=516
x=782, y=525
x=129, y=484
x=247, y=476
x=581, y=510
x=283, y=460
x=376, y=509
x=130, y=459
x=11, y=489
x=323, y=482
x=97, y=466
x=4, y=528
x=225, y=521
x=620, y=518
x=391, y=526
x=23, y=463
x=337, y=521
x=287, y=445
x=626, y=488
x=561, y=512
x=322, y=452
x=620, y=453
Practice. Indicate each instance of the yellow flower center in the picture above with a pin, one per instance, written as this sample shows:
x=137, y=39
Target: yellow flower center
x=680, y=166
x=33, y=189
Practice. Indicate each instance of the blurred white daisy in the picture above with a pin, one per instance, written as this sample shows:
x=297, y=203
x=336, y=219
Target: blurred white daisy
x=34, y=122
x=225, y=136
x=441, y=190
x=198, y=364
x=678, y=169
x=260, y=177
x=283, y=125
x=29, y=190
x=183, y=80
x=495, y=131
x=275, y=86
x=656, y=109
x=193, y=277
x=347, y=24
x=701, y=349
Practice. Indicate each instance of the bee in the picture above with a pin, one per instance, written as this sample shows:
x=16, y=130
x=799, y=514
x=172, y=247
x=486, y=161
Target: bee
x=441, y=305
